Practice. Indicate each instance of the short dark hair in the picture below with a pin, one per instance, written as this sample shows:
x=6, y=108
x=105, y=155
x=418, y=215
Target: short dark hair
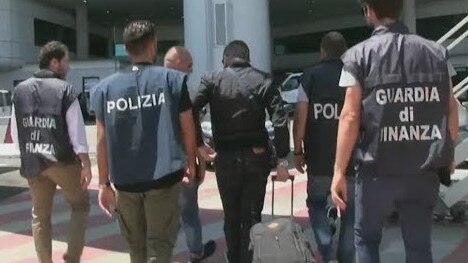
x=237, y=49
x=334, y=44
x=51, y=50
x=384, y=8
x=137, y=34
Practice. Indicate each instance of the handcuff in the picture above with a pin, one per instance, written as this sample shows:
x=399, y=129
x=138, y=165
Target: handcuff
x=104, y=186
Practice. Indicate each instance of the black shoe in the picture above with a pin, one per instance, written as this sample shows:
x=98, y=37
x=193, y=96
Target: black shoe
x=332, y=215
x=208, y=249
x=194, y=260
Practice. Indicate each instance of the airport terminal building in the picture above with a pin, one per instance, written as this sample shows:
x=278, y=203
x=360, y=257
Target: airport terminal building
x=284, y=36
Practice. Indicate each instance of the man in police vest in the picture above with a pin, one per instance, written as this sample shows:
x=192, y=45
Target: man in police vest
x=179, y=58
x=238, y=96
x=320, y=100
x=48, y=126
x=400, y=105
x=145, y=140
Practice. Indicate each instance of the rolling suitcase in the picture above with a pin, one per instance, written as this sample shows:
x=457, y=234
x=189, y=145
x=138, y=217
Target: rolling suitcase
x=280, y=240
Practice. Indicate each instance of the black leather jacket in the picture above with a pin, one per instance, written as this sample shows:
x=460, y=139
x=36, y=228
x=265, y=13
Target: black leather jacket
x=239, y=97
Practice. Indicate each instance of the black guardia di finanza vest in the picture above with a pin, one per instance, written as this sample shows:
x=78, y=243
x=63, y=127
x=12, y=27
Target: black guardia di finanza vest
x=41, y=103
x=405, y=102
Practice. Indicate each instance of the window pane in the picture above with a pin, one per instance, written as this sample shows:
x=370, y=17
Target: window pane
x=435, y=27
x=46, y=31
x=310, y=43
x=291, y=84
x=220, y=14
x=98, y=46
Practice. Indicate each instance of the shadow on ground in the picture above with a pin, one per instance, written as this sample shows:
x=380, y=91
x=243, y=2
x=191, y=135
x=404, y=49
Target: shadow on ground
x=7, y=169
x=10, y=191
x=450, y=241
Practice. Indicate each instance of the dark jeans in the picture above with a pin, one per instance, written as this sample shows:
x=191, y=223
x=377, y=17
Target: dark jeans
x=318, y=202
x=413, y=196
x=242, y=177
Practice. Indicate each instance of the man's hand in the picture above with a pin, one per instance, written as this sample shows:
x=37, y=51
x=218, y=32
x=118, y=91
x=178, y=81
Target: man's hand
x=107, y=200
x=198, y=178
x=206, y=153
x=282, y=171
x=86, y=176
x=190, y=172
x=201, y=171
x=339, y=192
x=299, y=162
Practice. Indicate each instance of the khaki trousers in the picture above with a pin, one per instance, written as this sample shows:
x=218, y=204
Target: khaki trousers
x=150, y=223
x=42, y=191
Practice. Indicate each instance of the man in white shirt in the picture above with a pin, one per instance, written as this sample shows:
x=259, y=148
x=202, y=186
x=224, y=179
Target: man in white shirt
x=48, y=127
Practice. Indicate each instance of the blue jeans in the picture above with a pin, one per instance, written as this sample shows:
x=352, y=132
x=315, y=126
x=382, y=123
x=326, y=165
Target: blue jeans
x=190, y=217
x=318, y=202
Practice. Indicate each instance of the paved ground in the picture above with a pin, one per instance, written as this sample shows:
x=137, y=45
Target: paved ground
x=104, y=243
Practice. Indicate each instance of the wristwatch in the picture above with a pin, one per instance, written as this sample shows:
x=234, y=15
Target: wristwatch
x=283, y=163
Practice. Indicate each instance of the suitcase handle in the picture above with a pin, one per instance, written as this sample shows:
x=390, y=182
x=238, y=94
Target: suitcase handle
x=274, y=179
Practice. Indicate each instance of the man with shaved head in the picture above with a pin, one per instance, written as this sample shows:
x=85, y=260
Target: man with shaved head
x=179, y=58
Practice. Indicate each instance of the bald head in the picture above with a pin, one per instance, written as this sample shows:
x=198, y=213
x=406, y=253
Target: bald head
x=179, y=58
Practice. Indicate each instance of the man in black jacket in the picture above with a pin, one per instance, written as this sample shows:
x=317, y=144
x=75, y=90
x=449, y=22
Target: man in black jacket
x=238, y=96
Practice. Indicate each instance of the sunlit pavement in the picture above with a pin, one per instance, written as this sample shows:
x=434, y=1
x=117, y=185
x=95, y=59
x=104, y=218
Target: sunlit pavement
x=104, y=243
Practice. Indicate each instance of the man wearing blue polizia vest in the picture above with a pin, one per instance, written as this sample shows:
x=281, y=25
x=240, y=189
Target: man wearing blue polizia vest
x=400, y=104
x=145, y=146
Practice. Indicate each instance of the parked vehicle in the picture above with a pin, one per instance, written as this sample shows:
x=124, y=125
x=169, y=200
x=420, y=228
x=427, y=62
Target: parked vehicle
x=289, y=88
x=83, y=75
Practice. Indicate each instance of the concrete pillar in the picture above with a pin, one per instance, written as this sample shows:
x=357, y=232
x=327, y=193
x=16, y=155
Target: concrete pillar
x=14, y=51
x=251, y=23
x=197, y=38
x=409, y=14
x=82, y=31
x=246, y=20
